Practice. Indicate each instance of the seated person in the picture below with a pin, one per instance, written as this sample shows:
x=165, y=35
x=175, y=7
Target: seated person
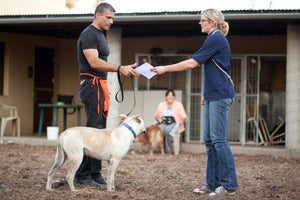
x=170, y=115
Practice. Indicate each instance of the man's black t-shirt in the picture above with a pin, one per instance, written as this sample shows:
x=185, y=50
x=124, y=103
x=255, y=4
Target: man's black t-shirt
x=92, y=38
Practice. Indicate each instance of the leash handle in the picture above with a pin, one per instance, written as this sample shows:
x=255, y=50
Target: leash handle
x=122, y=91
x=121, y=87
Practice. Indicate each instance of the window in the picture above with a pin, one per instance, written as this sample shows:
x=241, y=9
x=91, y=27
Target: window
x=175, y=80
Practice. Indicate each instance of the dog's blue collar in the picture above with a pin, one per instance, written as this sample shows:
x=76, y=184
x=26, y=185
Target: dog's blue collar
x=129, y=128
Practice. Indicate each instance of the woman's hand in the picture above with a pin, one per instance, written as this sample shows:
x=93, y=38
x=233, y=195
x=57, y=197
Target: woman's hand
x=203, y=101
x=159, y=69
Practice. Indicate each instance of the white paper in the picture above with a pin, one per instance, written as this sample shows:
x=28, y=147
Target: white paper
x=144, y=70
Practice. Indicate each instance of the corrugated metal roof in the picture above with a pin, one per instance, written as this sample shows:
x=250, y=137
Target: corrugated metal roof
x=143, y=24
x=244, y=11
x=151, y=16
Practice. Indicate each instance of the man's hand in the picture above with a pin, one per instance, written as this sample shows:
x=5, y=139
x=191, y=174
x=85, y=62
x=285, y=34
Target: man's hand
x=128, y=70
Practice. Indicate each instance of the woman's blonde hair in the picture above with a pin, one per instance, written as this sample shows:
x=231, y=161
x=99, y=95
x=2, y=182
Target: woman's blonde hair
x=218, y=17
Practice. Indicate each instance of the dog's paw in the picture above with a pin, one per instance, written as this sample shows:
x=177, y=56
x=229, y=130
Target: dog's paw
x=133, y=152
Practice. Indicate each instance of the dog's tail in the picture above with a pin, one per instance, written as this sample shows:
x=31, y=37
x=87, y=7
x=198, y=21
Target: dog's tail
x=60, y=153
x=59, y=157
x=59, y=161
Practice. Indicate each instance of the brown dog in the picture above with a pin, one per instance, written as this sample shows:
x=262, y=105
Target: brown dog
x=153, y=137
x=102, y=144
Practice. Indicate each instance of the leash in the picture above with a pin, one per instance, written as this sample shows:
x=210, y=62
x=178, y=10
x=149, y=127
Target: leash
x=121, y=87
x=122, y=91
x=228, y=76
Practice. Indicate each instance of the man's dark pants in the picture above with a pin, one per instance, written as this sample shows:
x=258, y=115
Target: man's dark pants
x=88, y=94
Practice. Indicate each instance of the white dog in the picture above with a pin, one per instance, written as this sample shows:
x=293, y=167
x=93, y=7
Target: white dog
x=103, y=144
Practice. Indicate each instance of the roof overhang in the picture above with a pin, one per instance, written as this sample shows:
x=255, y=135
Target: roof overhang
x=152, y=24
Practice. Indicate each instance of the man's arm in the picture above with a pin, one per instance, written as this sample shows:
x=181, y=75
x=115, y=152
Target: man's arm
x=96, y=63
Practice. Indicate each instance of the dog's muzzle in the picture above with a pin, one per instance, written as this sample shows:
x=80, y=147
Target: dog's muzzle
x=144, y=130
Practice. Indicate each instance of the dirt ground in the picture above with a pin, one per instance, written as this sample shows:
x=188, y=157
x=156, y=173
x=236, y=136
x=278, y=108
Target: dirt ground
x=24, y=169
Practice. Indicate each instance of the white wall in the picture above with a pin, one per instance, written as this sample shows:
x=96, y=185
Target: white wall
x=146, y=103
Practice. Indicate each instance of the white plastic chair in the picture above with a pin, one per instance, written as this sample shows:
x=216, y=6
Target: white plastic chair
x=9, y=113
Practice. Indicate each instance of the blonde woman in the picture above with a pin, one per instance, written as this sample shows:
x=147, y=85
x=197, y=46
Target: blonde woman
x=219, y=95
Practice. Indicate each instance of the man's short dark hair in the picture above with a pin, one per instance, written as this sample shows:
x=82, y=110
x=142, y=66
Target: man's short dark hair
x=104, y=7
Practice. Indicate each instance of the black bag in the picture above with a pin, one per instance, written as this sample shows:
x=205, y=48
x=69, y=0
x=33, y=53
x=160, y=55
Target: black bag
x=168, y=119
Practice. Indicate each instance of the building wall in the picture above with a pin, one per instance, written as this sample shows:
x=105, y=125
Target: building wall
x=146, y=103
x=275, y=44
x=67, y=78
x=19, y=54
x=18, y=87
x=239, y=45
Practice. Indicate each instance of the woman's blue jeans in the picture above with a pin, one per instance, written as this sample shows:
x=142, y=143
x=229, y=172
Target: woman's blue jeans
x=220, y=169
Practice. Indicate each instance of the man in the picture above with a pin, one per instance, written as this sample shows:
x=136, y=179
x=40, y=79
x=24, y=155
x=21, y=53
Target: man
x=92, y=53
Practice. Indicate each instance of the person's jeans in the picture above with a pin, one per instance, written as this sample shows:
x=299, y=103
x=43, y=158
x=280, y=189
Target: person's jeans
x=169, y=131
x=220, y=169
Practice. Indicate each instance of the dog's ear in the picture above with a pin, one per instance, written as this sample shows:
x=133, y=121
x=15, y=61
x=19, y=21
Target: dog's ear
x=122, y=117
x=138, y=118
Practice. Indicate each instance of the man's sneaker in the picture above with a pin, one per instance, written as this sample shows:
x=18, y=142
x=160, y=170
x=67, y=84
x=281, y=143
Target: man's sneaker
x=88, y=181
x=221, y=191
x=202, y=190
x=99, y=179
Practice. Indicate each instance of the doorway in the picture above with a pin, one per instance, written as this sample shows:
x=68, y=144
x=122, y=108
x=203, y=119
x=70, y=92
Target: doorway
x=43, y=83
